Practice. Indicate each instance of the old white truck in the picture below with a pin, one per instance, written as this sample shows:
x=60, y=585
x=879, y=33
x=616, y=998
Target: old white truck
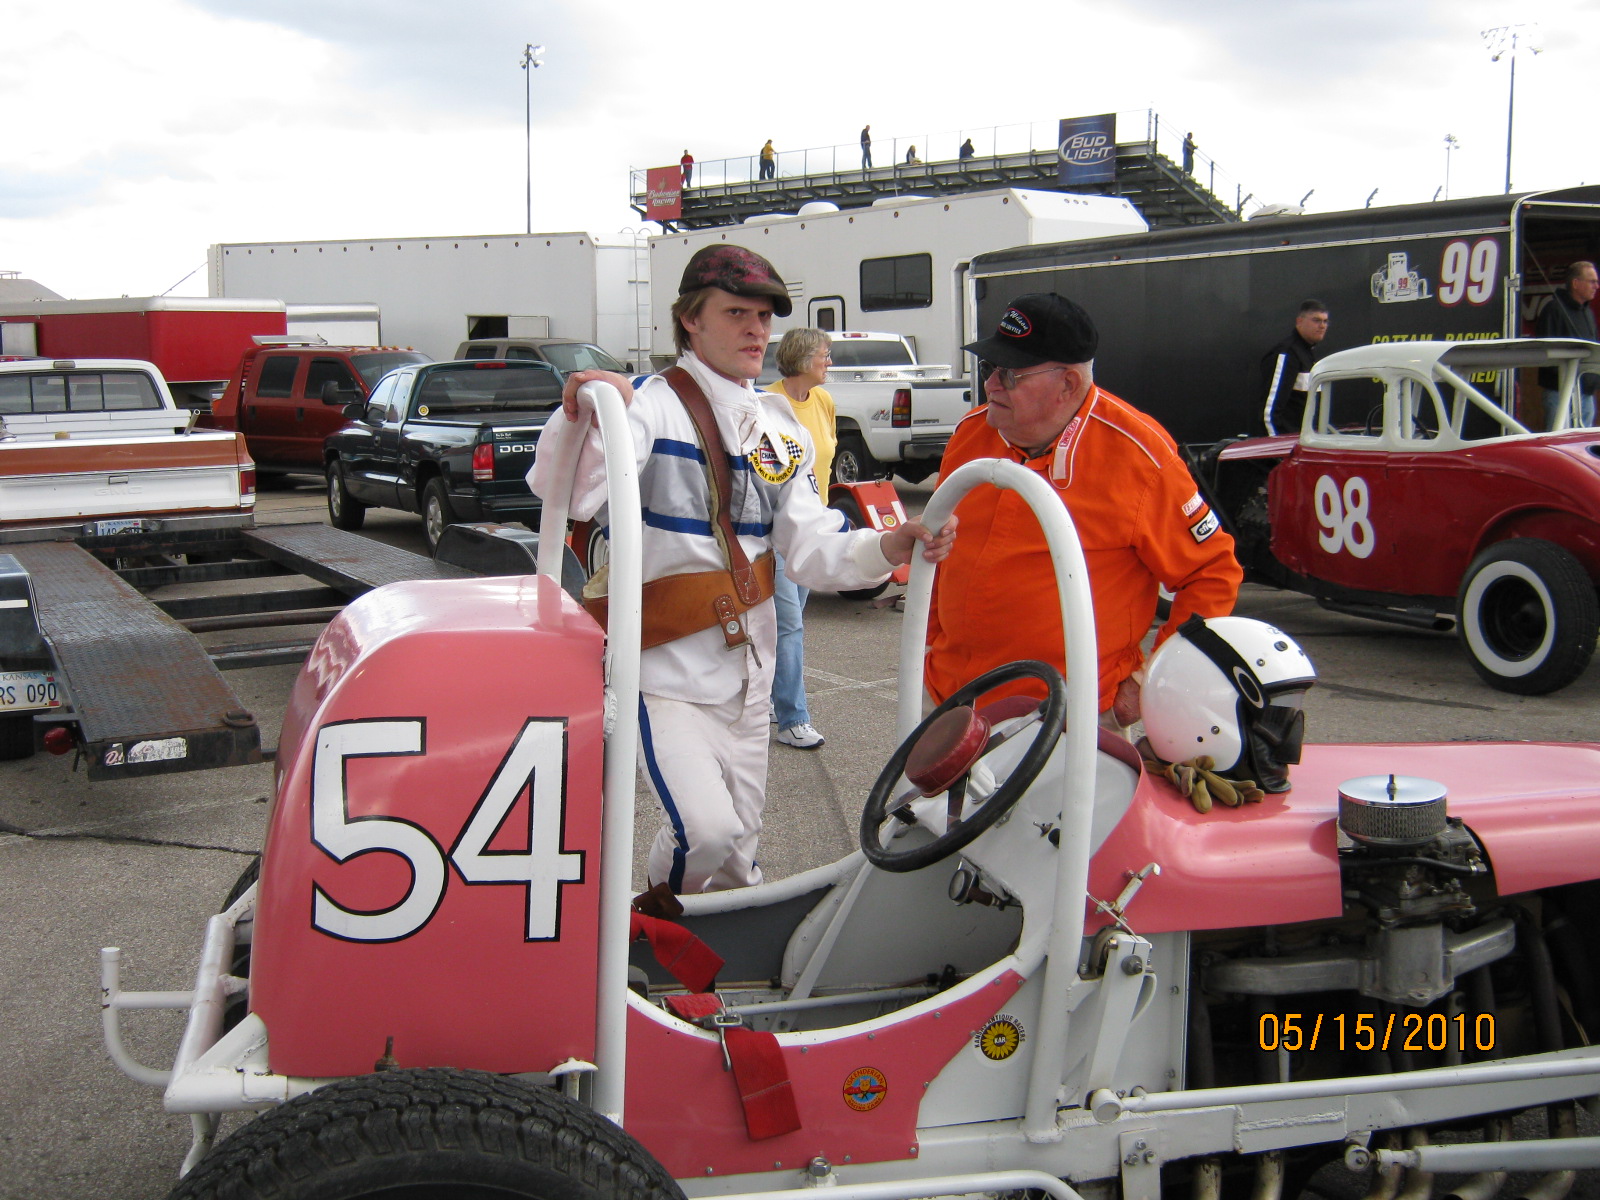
x=97, y=465
x=96, y=448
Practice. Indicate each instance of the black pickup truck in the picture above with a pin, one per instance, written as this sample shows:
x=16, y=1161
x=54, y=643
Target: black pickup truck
x=452, y=441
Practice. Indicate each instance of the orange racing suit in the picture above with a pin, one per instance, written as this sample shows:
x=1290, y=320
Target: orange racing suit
x=1140, y=518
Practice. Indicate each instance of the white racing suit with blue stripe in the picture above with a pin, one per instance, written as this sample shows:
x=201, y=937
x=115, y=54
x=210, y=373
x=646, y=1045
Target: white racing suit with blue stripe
x=704, y=709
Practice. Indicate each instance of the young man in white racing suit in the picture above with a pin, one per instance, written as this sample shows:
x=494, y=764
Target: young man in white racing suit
x=706, y=690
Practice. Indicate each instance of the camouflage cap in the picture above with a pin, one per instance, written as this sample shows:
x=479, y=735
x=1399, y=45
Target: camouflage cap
x=737, y=270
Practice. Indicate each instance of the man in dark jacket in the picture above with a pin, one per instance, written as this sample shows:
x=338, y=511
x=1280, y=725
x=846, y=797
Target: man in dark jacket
x=1284, y=370
x=1569, y=315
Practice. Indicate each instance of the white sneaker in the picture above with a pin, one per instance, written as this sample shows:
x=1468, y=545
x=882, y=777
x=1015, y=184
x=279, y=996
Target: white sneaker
x=801, y=736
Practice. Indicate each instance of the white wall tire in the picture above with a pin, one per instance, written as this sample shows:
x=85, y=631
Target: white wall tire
x=1528, y=616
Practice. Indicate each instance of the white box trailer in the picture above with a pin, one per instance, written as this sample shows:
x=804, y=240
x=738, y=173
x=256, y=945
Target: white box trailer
x=899, y=265
x=435, y=292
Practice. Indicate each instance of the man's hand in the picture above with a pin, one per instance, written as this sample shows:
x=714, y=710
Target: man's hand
x=898, y=543
x=569, y=392
x=1126, y=707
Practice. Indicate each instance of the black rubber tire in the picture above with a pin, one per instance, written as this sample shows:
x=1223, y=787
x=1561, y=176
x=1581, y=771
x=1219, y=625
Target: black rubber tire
x=16, y=736
x=851, y=511
x=853, y=462
x=437, y=512
x=238, y=1004
x=1528, y=616
x=429, y=1134
x=590, y=546
x=344, y=510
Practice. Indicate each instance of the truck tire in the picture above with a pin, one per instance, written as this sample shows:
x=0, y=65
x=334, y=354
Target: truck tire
x=853, y=462
x=429, y=1134
x=1528, y=616
x=437, y=512
x=851, y=511
x=344, y=510
x=16, y=736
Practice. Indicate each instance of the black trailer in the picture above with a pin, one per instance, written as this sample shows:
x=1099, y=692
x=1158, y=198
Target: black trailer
x=1186, y=315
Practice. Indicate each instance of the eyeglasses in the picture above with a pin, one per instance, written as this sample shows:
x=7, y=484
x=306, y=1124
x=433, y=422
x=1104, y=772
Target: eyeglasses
x=1008, y=378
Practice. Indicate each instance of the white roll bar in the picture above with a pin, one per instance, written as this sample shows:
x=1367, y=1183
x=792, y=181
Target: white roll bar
x=1059, y=951
x=625, y=621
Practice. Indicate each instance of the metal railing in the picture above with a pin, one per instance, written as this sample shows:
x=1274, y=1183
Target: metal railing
x=1164, y=136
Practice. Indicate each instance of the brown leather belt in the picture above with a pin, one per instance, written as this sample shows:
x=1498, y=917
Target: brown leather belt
x=677, y=605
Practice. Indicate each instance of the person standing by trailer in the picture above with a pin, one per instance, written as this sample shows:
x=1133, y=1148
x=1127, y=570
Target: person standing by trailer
x=1286, y=370
x=769, y=160
x=866, y=147
x=803, y=360
x=1138, y=513
x=687, y=165
x=1570, y=314
x=725, y=479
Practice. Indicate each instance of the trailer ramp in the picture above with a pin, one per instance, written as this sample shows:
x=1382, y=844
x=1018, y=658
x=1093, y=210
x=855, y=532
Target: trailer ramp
x=150, y=700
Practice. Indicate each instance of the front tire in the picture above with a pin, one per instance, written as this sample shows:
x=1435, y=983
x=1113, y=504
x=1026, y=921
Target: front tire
x=344, y=510
x=437, y=512
x=429, y=1134
x=1528, y=616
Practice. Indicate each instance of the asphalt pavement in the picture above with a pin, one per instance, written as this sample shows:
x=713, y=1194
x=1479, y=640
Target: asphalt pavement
x=141, y=864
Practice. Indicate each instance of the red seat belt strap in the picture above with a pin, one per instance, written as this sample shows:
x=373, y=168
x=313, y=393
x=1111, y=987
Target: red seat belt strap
x=686, y=958
x=763, y=1082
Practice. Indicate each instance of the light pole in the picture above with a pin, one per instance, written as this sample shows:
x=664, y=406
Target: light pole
x=1450, y=143
x=1503, y=41
x=530, y=60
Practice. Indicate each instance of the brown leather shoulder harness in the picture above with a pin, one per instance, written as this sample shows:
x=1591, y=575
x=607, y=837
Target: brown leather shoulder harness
x=678, y=605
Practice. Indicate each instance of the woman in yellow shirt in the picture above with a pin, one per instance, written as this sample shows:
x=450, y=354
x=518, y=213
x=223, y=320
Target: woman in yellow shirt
x=803, y=358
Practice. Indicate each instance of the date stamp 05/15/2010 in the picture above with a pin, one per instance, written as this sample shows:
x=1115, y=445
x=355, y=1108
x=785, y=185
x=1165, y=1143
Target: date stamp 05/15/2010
x=1376, y=1031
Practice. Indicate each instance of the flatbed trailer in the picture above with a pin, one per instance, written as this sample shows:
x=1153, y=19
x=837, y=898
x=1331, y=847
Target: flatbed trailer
x=144, y=696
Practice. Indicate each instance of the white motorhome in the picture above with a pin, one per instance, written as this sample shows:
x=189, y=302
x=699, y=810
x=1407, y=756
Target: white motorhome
x=899, y=265
x=435, y=292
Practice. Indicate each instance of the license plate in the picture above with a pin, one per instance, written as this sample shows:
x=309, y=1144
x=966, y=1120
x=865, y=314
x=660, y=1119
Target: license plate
x=118, y=525
x=29, y=689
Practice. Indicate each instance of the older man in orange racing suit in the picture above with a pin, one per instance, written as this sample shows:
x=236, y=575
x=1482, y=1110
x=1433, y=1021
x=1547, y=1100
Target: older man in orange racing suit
x=1140, y=517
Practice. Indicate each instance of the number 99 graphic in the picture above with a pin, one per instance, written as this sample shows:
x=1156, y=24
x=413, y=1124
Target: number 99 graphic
x=1345, y=522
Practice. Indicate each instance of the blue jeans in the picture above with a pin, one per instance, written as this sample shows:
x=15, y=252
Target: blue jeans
x=788, y=676
x=1552, y=398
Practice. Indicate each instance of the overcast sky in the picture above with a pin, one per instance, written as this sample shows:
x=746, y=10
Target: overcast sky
x=139, y=133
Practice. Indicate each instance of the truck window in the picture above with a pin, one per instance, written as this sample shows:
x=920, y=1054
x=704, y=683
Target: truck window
x=850, y=352
x=277, y=376
x=375, y=366
x=568, y=357
x=480, y=352
x=89, y=391
x=329, y=370
x=904, y=281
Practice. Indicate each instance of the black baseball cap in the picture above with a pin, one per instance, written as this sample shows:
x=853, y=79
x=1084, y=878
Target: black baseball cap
x=737, y=270
x=1038, y=328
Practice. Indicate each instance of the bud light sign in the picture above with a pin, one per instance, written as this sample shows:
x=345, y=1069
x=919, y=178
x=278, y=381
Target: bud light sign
x=1088, y=150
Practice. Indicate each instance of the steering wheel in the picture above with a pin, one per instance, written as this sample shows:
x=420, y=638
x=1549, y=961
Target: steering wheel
x=939, y=755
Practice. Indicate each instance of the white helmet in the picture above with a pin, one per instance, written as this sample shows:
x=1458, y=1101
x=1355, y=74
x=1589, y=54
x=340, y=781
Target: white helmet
x=1230, y=687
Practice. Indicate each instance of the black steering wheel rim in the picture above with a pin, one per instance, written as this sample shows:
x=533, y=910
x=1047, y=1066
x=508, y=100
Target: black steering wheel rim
x=964, y=832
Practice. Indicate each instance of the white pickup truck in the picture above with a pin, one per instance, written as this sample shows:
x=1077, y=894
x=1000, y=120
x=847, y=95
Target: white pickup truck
x=96, y=449
x=894, y=414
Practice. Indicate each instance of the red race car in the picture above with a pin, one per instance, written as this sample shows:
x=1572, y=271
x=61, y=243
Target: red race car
x=1415, y=493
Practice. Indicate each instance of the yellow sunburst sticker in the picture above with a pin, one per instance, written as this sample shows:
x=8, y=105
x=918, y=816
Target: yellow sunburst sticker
x=1000, y=1038
x=764, y=460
